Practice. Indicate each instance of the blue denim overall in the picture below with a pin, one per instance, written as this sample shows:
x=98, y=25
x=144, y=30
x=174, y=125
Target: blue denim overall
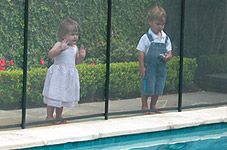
x=153, y=82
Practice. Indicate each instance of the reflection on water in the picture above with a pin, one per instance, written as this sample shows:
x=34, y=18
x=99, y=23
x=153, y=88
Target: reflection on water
x=214, y=144
x=213, y=136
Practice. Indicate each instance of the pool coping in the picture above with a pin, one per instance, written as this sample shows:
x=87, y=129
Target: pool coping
x=90, y=130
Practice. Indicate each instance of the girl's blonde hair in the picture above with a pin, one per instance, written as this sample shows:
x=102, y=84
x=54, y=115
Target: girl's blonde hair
x=67, y=26
x=157, y=13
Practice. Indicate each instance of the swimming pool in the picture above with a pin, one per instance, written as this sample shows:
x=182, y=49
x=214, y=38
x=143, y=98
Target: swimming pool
x=213, y=136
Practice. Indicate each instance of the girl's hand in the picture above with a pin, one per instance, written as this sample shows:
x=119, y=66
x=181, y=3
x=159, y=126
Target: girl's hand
x=82, y=51
x=57, y=48
x=64, y=45
x=81, y=54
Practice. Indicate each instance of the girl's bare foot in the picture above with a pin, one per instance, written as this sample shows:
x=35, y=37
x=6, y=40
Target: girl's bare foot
x=60, y=121
x=50, y=119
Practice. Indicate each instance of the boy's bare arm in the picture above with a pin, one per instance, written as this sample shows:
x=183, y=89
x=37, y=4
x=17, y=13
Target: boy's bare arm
x=141, y=63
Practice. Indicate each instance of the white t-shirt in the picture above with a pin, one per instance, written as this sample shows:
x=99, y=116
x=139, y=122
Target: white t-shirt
x=144, y=42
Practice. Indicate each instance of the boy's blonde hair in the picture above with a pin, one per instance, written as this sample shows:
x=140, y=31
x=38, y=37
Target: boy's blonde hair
x=67, y=26
x=157, y=13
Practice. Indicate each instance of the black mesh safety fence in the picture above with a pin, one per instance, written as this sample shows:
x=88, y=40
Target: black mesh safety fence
x=205, y=41
x=108, y=80
x=56, y=83
x=11, y=62
x=129, y=25
x=202, y=45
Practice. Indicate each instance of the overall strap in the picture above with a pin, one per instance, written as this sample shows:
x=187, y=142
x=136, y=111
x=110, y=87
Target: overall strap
x=150, y=37
x=166, y=39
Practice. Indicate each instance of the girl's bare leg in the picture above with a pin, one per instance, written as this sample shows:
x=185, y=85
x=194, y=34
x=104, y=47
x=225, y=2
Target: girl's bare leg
x=59, y=117
x=59, y=111
x=50, y=112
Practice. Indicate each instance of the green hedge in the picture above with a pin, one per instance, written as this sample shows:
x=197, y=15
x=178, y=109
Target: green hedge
x=208, y=64
x=10, y=88
x=124, y=82
x=128, y=24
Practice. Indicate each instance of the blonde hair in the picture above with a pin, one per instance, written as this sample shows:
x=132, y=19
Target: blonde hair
x=157, y=13
x=67, y=26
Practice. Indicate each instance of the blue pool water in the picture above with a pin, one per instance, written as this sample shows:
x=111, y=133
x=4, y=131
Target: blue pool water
x=212, y=137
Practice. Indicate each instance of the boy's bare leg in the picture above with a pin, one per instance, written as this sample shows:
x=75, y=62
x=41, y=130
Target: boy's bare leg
x=144, y=103
x=154, y=100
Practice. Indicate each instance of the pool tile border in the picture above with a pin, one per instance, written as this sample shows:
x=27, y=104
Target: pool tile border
x=90, y=130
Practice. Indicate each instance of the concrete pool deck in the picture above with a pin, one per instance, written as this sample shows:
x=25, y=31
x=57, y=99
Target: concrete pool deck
x=90, y=130
x=9, y=117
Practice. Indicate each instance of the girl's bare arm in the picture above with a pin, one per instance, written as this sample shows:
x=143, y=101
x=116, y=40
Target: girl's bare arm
x=57, y=49
x=81, y=55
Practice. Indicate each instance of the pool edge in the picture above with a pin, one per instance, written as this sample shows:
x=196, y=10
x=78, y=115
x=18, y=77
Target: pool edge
x=82, y=131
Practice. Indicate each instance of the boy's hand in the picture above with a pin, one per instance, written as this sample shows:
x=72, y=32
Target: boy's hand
x=142, y=71
x=167, y=57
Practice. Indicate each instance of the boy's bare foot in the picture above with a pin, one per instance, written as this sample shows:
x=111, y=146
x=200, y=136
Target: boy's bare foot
x=48, y=118
x=154, y=110
x=145, y=110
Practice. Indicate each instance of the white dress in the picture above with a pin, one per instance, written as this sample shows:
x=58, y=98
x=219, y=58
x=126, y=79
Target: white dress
x=62, y=87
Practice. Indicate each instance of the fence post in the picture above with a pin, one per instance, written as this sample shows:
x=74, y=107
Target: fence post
x=24, y=90
x=181, y=56
x=108, y=59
